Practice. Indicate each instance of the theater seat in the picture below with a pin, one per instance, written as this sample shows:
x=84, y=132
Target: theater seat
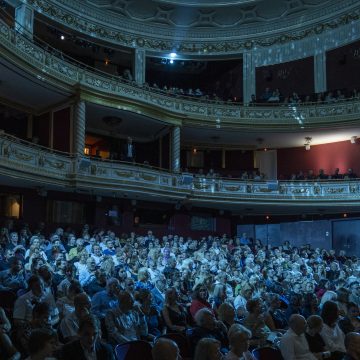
x=182, y=343
x=133, y=350
x=267, y=353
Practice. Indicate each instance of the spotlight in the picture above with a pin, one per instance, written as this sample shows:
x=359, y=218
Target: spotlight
x=173, y=55
x=62, y=37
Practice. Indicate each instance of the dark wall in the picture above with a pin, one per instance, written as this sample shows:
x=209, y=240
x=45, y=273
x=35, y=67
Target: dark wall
x=342, y=154
x=41, y=129
x=346, y=236
x=14, y=126
x=61, y=130
x=288, y=77
x=148, y=152
x=342, y=67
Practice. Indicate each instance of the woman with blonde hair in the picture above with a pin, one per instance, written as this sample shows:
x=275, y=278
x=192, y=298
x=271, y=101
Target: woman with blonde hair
x=208, y=349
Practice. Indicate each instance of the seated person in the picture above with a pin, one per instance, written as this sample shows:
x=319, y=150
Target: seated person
x=200, y=297
x=7, y=348
x=165, y=349
x=352, y=345
x=65, y=304
x=208, y=349
x=125, y=322
x=106, y=299
x=239, y=345
x=351, y=322
x=255, y=320
x=89, y=344
x=207, y=327
x=293, y=344
x=69, y=325
x=174, y=314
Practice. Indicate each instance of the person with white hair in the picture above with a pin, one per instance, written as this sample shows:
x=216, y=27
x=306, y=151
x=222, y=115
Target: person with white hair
x=293, y=344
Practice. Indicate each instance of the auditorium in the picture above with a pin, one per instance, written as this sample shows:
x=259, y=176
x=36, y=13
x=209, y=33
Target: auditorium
x=179, y=179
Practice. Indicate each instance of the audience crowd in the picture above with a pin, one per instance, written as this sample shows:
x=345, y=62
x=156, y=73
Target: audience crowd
x=68, y=295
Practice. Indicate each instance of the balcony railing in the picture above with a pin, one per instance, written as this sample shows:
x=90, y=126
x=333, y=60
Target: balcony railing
x=48, y=65
x=32, y=162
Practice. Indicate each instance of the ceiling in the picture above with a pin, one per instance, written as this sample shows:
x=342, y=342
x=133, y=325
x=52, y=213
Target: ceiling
x=207, y=13
x=18, y=87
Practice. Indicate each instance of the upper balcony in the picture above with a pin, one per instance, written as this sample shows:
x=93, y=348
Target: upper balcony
x=98, y=87
x=27, y=165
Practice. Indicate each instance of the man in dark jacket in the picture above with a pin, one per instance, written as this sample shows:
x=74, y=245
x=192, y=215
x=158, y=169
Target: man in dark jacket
x=89, y=344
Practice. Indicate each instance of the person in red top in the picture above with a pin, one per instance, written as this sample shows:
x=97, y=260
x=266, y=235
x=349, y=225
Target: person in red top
x=199, y=301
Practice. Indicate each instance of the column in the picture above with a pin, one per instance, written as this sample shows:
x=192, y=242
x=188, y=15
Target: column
x=175, y=149
x=249, y=87
x=320, y=72
x=79, y=127
x=24, y=20
x=139, y=66
x=160, y=151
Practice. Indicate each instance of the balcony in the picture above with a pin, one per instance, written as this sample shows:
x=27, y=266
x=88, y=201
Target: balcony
x=98, y=87
x=28, y=165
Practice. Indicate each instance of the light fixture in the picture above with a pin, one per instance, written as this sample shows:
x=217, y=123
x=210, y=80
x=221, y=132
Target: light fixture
x=171, y=61
x=353, y=139
x=62, y=37
x=194, y=150
x=173, y=55
x=308, y=140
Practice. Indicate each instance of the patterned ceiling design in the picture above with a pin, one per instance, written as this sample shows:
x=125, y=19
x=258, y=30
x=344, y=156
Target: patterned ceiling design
x=222, y=14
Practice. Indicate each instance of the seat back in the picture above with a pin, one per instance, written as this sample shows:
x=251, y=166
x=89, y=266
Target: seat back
x=266, y=353
x=133, y=350
x=182, y=343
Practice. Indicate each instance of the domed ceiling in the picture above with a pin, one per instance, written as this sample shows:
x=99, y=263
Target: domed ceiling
x=213, y=14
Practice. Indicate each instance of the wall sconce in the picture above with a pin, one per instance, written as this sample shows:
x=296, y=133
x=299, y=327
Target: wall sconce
x=87, y=150
x=353, y=139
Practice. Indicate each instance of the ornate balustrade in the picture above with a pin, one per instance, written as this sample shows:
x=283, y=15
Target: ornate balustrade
x=27, y=161
x=53, y=68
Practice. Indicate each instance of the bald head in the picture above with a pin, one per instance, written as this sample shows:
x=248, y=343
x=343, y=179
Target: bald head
x=165, y=349
x=297, y=323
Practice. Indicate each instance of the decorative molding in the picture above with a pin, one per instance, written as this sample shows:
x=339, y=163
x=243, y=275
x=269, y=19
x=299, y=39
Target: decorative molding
x=106, y=25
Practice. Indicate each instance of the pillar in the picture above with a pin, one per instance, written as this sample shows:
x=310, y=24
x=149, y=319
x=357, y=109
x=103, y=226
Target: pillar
x=139, y=66
x=79, y=127
x=24, y=20
x=249, y=86
x=175, y=149
x=320, y=72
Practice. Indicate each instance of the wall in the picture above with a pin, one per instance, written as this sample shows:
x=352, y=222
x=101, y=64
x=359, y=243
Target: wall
x=342, y=67
x=41, y=129
x=288, y=77
x=61, y=129
x=342, y=154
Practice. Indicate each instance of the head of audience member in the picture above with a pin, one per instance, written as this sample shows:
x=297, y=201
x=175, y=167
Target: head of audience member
x=89, y=332
x=160, y=283
x=226, y=313
x=254, y=306
x=352, y=311
x=42, y=343
x=297, y=324
x=74, y=289
x=352, y=345
x=171, y=296
x=200, y=293
x=36, y=285
x=16, y=265
x=239, y=341
x=41, y=315
x=82, y=305
x=143, y=274
x=314, y=324
x=330, y=313
x=208, y=349
x=91, y=264
x=205, y=318
x=165, y=349
x=126, y=301
x=112, y=286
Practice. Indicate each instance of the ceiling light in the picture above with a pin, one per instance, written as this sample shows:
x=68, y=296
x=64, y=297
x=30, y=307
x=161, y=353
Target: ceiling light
x=308, y=140
x=62, y=37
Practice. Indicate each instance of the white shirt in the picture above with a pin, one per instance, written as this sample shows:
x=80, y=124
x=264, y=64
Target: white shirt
x=295, y=347
x=334, y=338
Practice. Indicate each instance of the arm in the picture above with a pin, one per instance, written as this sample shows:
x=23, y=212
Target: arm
x=168, y=321
x=114, y=332
x=287, y=348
